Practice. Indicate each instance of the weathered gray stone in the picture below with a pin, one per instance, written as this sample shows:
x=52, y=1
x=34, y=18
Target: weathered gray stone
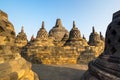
x=94, y=39
x=42, y=33
x=65, y=38
x=106, y=66
x=96, y=43
x=58, y=31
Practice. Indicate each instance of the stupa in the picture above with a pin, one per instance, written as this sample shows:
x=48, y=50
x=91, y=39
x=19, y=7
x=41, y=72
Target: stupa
x=21, y=39
x=94, y=39
x=58, y=31
x=39, y=46
x=95, y=42
x=106, y=66
x=42, y=33
x=75, y=38
x=42, y=38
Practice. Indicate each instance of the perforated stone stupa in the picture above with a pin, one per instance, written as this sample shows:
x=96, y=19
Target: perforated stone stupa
x=96, y=42
x=21, y=39
x=107, y=65
x=42, y=38
x=75, y=38
x=42, y=33
x=94, y=39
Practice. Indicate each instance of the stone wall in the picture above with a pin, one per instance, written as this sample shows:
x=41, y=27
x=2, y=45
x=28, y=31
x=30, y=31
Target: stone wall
x=67, y=50
x=3, y=14
x=54, y=55
x=12, y=65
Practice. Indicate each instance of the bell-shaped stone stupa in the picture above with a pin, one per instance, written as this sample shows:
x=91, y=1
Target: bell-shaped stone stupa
x=107, y=65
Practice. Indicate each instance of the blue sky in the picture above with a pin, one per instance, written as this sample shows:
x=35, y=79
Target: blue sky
x=86, y=13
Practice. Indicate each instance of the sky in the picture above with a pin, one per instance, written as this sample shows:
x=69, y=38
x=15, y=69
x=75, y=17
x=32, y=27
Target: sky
x=86, y=13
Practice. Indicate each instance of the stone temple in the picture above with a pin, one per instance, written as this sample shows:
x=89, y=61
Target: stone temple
x=56, y=47
x=60, y=46
x=106, y=66
x=12, y=65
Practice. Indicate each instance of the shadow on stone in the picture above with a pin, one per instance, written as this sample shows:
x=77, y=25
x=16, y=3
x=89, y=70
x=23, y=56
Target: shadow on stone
x=107, y=65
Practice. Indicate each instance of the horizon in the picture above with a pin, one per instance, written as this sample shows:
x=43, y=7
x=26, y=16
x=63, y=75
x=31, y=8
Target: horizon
x=86, y=14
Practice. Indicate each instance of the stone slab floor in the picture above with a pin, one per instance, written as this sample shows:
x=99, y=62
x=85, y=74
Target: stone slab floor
x=59, y=72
